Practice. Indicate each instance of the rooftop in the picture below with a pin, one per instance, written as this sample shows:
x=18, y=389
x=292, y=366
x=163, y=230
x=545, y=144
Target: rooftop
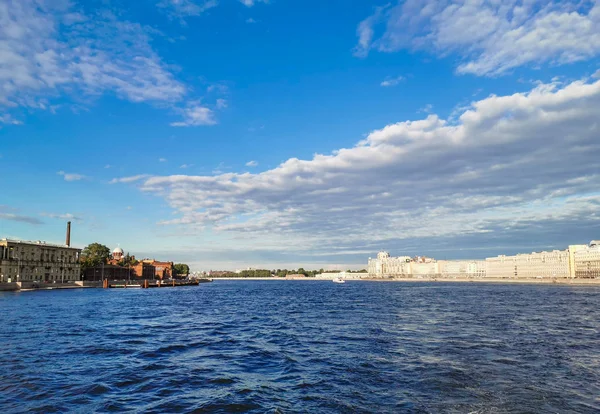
x=37, y=243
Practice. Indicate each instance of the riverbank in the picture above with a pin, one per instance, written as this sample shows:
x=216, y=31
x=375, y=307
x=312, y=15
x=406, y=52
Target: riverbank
x=31, y=286
x=584, y=282
x=496, y=281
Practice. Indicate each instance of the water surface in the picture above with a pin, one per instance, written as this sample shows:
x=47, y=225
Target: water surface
x=298, y=346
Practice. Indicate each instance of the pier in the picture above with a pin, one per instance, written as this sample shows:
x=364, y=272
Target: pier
x=146, y=284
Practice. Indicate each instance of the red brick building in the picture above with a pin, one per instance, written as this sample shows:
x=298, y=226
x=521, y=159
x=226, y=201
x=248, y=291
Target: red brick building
x=144, y=269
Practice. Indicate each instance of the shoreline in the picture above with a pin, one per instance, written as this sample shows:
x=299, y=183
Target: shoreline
x=562, y=282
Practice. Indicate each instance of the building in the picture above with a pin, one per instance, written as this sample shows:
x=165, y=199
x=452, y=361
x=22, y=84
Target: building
x=472, y=269
x=587, y=260
x=37, y=261
x=536, y=265
x=386, y=266
x=162, y=270
x=143, y=269
x=117, y=255
x=108, y=271
x=578, y=261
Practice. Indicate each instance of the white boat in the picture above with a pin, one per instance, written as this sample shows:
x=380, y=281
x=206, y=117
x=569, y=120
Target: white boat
x=339, y=280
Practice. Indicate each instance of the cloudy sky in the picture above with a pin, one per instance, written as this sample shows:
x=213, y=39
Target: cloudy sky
x=285, y=133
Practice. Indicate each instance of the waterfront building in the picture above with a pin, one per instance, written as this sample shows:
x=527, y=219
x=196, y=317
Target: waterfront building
x=429, y=268
x=108, y=271
x=500, y=267
x=536, y=265
x=162, y=270
x=143, y=269
x=386, y=266
x=587, y=261
x=578, y=261
x=38, y=261
x=475, y=269
x=117, y=254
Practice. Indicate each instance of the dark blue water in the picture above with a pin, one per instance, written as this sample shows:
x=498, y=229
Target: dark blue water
x=281, y=346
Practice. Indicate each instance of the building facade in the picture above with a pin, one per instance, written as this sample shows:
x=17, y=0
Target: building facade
x=142, y=269
x=536, y=265
x=386, y=266
x=24, y=261
x=578, y=261
x=108, y=271
x=472, y=269
x=587, y=261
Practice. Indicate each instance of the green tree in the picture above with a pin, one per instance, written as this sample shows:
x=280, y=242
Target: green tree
x=94, y=255
x=181, y=269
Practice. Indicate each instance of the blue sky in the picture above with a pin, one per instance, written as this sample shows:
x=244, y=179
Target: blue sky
x=290, y=133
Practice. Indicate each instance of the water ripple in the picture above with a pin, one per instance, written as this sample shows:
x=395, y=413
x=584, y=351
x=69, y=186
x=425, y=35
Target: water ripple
x=284, y=347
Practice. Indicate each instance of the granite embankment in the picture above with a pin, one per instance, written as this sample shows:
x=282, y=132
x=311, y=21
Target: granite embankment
x=26, y=286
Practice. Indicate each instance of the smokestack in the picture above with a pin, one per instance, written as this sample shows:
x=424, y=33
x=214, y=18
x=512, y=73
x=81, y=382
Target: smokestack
x=68, y=234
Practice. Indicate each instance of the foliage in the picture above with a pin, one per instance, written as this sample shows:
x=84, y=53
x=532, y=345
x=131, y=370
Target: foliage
x=181, y=269
x=94, y=255
x=128, y=260
x=282, y=272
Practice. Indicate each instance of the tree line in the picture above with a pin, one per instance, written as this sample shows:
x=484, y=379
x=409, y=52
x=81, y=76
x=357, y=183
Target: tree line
x=283, y=272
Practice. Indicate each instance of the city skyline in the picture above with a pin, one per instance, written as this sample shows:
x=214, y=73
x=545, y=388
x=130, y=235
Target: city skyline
x=278, y=135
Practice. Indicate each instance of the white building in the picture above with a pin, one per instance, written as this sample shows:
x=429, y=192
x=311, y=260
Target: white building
x=578, y=261
x=23, y=261
x=386, y=266
x=536, y=265
x=475, y=269
x=587, y=260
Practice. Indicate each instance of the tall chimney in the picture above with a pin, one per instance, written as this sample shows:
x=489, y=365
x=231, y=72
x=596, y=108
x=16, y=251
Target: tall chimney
x=68, y=234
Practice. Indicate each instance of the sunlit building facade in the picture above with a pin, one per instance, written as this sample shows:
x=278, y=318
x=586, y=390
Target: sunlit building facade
x=24, y=261
x=475, y=269
x=587, y=261
x=536, y=265
x=578, y=261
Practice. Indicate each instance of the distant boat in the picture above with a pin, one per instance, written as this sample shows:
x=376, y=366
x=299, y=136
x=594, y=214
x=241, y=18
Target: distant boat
x=339, y=280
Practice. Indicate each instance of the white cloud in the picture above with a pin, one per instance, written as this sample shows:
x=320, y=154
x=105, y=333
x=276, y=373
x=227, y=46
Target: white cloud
x=221, y=103
x=66, y=216
x=130, y=179
x=52, y=49
x=251, y=163
x=250, y=3
x=392, y=81
x=493, y=37
x=186, y=8
x=162, y=160
x=107, y=166
x=9, y=119
x=71, y=176
x=184, y=166
x=195, y=114
x=508, y=165
x=12, y=214
x=250, y=20
x=427, y=109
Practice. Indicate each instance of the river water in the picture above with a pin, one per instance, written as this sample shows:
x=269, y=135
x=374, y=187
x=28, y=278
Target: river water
x=302, y=346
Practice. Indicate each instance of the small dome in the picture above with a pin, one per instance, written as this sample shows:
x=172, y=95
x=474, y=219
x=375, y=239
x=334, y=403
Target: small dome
x=118, y=250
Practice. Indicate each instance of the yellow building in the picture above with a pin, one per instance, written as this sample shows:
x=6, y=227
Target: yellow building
x=587, y=261
x=23, y=261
